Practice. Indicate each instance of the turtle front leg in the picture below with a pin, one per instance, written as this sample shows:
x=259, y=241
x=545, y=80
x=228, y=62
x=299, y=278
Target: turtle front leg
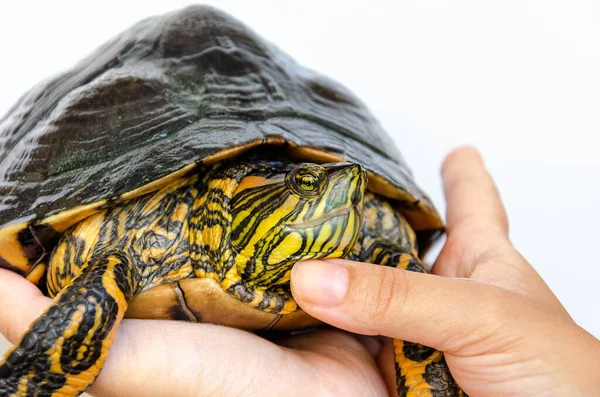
x=387, y=239
x=65, y=348
x=421, y=371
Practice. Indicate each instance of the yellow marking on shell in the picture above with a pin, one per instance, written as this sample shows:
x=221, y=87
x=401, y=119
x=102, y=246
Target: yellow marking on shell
x=314, y=154
x=10, y=247
x=157, y=184
x=421, y=216
x=60, y=222
x=36, y=274
x=65, y=219
x=286, y=248
x=238, y=150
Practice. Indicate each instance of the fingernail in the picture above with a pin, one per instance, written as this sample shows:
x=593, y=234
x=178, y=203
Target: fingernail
x=320, y=283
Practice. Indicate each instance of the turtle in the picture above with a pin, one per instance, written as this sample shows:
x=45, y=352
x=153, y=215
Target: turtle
x=179, y=172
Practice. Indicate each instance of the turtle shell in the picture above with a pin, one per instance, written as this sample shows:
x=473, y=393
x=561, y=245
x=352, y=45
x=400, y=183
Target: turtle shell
x=190, y=87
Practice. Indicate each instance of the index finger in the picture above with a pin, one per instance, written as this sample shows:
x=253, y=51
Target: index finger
x=477, y=221
x=478, y=246
x=471, y=194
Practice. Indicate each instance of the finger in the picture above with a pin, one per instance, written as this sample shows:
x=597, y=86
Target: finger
x=343, y=356
x=208, y=360
x=333, y=343
x=477, y=246
x=385, y=363
x=477, y=221
x=192, y=359
x=20, y=303
x=423, y=308
x=471, y=195
x=465, y=319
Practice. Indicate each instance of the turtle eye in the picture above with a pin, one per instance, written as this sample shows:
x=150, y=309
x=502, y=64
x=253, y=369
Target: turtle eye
x=307, y=180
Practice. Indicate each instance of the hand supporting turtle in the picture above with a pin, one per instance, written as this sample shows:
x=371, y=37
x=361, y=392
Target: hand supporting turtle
x=474, y=321
x=502, y=330
x=174, y=358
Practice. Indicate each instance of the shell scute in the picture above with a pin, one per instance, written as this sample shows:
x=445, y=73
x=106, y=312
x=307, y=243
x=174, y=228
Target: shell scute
x=172, y=91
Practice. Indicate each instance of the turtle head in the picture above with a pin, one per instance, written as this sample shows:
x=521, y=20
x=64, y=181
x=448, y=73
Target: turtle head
x=284, y=214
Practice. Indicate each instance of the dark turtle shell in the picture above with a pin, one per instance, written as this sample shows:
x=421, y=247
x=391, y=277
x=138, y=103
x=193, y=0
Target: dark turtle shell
x=192, y=86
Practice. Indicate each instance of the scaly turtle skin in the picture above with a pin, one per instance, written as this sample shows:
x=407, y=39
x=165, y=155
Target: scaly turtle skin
x=147, y=172
x=242, y=225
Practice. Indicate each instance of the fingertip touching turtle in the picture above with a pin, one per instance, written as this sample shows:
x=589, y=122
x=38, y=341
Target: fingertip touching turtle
x=178, y=173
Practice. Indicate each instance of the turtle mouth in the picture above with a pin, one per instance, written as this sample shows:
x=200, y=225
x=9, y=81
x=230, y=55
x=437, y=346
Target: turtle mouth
x=342, y=212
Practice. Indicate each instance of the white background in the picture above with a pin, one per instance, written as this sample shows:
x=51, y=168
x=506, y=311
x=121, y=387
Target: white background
x=518, y=79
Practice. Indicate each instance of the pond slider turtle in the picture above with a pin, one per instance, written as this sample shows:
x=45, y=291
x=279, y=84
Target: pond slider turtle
x=179, y=172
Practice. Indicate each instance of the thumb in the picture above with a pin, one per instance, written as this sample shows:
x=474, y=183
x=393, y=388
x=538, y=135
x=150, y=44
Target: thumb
x=431, y=310
x=20, y=303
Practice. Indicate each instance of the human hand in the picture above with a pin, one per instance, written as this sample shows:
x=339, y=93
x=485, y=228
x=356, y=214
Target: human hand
x=502, y=330
x=158, y=358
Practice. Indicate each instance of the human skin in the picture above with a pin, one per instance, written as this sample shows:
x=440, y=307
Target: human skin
x=503, y=331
